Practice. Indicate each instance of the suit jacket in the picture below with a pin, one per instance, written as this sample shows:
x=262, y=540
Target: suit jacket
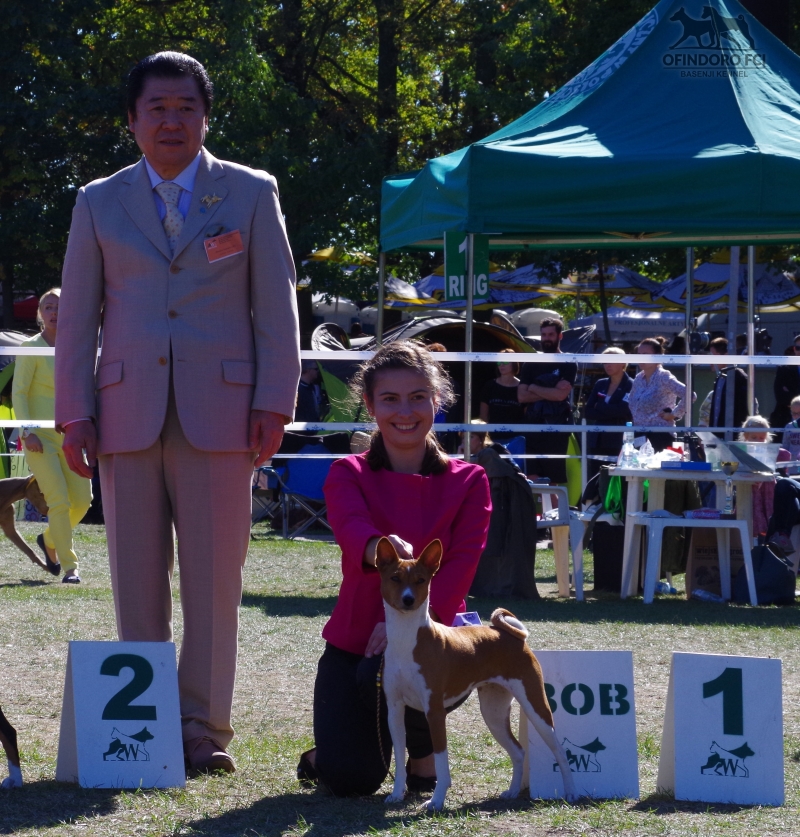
x=226, y=332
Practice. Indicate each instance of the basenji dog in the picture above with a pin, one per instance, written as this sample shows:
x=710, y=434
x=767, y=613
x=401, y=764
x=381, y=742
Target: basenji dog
x=430, y=667
x=18, y=488
x=8, y=738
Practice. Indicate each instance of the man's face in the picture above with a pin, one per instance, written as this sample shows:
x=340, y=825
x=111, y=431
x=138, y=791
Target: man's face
x=550, y=339
x=170, y=123
x=715, y=366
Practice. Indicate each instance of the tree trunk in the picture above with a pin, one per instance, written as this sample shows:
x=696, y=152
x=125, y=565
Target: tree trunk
x=390, y=20
x=7, y=268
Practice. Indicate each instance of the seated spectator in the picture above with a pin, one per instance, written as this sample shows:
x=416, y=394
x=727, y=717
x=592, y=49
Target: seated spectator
x=608, y=404
x=785, y=514
x=756, y=429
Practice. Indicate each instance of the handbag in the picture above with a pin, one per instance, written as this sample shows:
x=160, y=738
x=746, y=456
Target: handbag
x=774, y=578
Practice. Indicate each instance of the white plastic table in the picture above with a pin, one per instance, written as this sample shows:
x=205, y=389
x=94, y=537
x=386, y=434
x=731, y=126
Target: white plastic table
x=657, y=478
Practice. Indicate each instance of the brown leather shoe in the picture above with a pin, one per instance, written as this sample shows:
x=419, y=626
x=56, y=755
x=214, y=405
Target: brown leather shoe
x=206, y=756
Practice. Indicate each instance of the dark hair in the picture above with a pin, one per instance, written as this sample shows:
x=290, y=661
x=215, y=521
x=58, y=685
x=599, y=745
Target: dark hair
x=404, y=355
x=514, y=364
x=169, y=65
x=435, y=347
x=719, y=345
x=657, y=343
x=556, y=322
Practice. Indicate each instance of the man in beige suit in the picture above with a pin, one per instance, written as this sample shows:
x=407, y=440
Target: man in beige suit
x=186, y=257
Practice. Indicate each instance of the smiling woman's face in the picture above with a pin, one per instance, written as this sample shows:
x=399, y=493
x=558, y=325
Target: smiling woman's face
x=404, y=405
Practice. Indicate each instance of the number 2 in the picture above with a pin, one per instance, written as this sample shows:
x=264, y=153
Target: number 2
x=729, y=683
x=119, y=707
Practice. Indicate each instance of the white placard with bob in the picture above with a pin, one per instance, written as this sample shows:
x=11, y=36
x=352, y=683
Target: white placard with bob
x=120, y=719
x=723, y=730
x=591, y=697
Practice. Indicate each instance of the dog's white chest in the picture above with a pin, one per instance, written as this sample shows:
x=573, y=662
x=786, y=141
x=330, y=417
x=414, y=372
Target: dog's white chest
x=403, y=681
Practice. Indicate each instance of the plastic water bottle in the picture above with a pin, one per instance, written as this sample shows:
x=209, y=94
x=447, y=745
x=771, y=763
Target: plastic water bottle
x=705, y=596
x=665, y=588
x=627, y=456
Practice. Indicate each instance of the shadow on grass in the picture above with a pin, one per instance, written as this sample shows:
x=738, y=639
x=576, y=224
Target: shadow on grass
x=661, y=805
x=26, y=582
x=607, y=607
x=47, y=804
x=290, y=605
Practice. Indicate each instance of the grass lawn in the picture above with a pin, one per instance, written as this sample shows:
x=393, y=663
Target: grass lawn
x=290, y=589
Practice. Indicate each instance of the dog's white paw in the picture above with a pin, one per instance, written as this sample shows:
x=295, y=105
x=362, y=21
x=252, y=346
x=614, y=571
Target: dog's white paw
x=432, y=806
x=393, y=798
x=572, y=798
x=511, y=793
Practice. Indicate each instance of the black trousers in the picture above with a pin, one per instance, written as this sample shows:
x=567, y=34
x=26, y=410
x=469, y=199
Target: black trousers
x=352, y=758
x=786, y=506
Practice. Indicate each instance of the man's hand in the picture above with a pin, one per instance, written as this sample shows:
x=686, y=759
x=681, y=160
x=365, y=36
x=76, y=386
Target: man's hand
x=33, y=443
x=265, y=434
x=80, y=436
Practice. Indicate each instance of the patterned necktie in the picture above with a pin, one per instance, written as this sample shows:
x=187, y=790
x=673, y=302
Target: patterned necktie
x=170, y=193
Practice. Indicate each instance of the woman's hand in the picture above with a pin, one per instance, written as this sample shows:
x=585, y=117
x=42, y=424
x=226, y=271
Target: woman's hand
x=33, y=443
x=667, y=416
x=403, y=549
x=377, y=641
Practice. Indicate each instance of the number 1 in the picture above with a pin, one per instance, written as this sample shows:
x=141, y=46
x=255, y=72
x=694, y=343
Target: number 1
x=729, y=683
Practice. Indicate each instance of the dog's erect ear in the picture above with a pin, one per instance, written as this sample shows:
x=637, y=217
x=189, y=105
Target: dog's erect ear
x=385, y=554
x=431, y=556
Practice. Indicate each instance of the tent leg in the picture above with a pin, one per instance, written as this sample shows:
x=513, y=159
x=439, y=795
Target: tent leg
x=751, y=328
x=381, y=297
x=468, y=341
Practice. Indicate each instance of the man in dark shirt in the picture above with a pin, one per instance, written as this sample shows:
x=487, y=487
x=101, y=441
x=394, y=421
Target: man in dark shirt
x=719, y=399
x=309, y=394
x=545, y=389
x=786, y=387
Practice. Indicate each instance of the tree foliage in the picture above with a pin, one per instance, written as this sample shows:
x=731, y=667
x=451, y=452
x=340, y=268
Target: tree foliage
x=328, y=95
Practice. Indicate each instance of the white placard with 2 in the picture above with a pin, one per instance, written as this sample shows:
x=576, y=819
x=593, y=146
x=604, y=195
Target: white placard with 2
x=120, y=720
x=723, y=730
x=591, y=697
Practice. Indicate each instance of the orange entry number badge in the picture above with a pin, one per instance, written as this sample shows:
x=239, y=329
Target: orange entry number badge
x=224, y=246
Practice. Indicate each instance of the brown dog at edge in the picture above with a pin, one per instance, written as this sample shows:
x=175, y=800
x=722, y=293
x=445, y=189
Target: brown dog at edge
x=11, y=490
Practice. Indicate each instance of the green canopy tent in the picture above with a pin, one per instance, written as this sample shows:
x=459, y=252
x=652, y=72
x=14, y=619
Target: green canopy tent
x=685, y=132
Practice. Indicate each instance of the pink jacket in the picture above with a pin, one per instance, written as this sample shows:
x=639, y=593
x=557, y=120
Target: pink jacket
x=454, y=507
x=763, y=498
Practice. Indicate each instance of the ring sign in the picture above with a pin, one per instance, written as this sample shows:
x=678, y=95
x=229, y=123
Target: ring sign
x=591, y=697
x=455, y=266
x=120, y=720
x=723, y=730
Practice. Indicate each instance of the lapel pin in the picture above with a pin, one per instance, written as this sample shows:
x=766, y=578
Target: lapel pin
x=207, y=201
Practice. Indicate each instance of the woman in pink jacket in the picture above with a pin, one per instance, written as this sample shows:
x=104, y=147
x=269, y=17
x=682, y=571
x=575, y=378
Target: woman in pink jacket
x=407, y=489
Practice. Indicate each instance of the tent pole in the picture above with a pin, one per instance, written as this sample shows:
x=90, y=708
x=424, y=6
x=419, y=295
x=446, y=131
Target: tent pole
x=468, y=341
x=733, y=308
x=751, y=327
x=689, y=328
x=381, y=297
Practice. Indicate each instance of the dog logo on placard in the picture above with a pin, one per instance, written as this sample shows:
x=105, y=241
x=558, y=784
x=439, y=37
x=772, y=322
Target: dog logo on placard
x=724, y=762
x=583, y=759
x=128, y=747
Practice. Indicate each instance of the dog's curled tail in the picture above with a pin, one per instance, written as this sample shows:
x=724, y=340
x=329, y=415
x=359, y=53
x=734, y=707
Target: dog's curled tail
x=505, y=620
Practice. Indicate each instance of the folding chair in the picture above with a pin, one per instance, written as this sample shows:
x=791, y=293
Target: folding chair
x=265, y=496
x=301, y=486
x=515, y=447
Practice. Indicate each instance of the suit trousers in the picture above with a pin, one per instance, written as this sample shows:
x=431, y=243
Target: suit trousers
x=206, y=497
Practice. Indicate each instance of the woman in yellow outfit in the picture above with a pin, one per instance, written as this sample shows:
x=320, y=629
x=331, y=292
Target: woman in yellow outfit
x=68, y=495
